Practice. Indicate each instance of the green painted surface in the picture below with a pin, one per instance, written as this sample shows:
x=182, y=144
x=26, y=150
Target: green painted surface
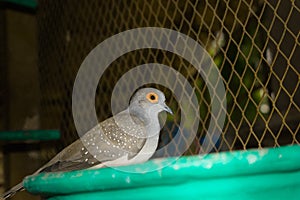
x=29, y=135
x=254, y=174
x=25, y=3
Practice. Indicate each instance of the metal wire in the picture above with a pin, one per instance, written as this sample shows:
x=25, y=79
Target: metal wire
x=253, y=43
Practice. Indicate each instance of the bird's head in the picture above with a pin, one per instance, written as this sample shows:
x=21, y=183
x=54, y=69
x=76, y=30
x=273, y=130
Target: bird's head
x=148, y=102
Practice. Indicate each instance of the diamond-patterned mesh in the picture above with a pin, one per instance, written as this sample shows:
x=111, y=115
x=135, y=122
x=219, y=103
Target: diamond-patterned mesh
x=253, y=43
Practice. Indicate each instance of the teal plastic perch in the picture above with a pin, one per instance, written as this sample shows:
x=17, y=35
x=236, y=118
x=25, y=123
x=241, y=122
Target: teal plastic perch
x=254, y=174
x=29, y=135
x=32, y=4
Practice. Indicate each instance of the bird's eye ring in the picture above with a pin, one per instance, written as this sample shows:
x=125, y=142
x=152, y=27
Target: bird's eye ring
x=152, y=97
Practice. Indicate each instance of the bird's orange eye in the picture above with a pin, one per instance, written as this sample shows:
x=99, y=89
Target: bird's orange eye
x=152, y=97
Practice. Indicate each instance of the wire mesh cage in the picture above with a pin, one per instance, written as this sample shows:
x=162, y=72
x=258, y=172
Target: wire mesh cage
x=254, y=45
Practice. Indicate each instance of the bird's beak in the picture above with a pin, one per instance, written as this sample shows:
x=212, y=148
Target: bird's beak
x=166, y=108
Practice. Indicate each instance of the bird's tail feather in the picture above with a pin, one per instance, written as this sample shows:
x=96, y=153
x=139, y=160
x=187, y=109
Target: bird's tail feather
x=19, y=187
x=12, y=191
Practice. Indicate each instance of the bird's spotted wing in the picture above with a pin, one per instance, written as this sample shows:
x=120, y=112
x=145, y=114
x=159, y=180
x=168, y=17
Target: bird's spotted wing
x=118, y=136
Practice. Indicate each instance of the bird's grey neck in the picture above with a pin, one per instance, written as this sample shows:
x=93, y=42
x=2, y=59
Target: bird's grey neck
x=146, y=118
